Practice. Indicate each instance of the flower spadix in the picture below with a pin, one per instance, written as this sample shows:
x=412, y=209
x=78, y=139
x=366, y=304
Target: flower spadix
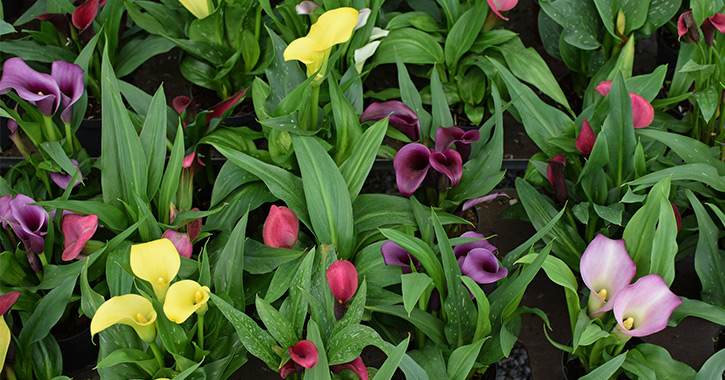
x=129, y=309
x=184, y=298
x=645, y=307
x=157, y=262
x=606, y=268
x=332, y=28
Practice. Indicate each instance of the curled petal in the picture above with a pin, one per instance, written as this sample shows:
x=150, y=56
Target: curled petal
x=184, y=298
x=606, y=269
x=486, y=198
x=462, y=250
x=334, y=27
x=718, y=21
x=555, y=173
x=363, y=53
x=181, y=241
x=280, y=228
x=157, y=262
x=37, y=88
x=686, y=26
x=7, y=301
x=180, y=103
x=131, y=310
x=482, y=266
x=342, y=280
x=357, y=366
x=6, y=216
x=644, y=307
x=84, y=15
x=219, y=109
x=586, y=139
x=643, y=114
x=449, y=163
x=63, y=180
x=306, y=8
x=304, y=353
x=445, y=137
x=69, y=77
x=604, y=87
x=402, y=117
x=199, y=8
x=411, y=165
x=287, y=369
x=362, y=18
x=77, y=230
x=393, y=254
x=498, y=6
x=29, y=222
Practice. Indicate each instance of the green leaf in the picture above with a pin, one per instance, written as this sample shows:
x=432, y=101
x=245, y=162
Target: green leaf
x=619, y=132
x=411, y=45
x=33, y=51
x=463, y=33
x=708, y=100
x=463, y=359
x=440, y=111
x=423, y=253
x=278, y=326
x=606, y=370
x=387, y=370
x=412, y=286
x=347, y=124
x=137, y=51
x=356, y=168
x=347, y=344
x=579, y=19
x=713, y=367
x=153, y=141
x=170, y=181
x=321, y=370
x=109, y=216
x=55, y=151
x=411, y=97
x=690, y=150
x=229, y=266
x=46, y=314
x=431, y=326
x=709, y=261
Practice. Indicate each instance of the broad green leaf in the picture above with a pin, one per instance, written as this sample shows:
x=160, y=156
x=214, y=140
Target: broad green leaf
x=606, y=370
x=431, y=326
x=278, y=326
x=46, y=314
x=709, y=261
x=463, y=359
x=347, y=344
x=412, y=286
x=410, y=95
x=713, y=367
x=321, y=370
x=153, y=141
x=461, y=36
x=579, y=19
x=229, y=266
x=387, y=370
x=171, y=178
x=411, y=45
x=356, y=168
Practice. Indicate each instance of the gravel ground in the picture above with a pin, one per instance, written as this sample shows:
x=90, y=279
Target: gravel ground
x=516, y=366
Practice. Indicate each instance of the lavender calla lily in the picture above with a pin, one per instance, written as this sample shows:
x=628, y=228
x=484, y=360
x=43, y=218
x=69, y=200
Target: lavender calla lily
x=5, y=214
x=411, y=165
x=393, y=254
x=37, y=88
x=306, y=8
x=69, y=78
x=63, y=180
x=30, y=222
x=606, y=269
x=402, y=117
x=482, y=266
x=449, y=163
x=77, y=230
x=645, y=307
x=462, y=250
x=486, y=198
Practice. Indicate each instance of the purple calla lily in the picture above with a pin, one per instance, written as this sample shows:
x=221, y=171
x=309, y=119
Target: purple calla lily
x=304, y=353
x=411, y=165
x=37, y=88
x=445, y=137
x=482, y=266
x=69, y=78
x=486, y=198
x=645, y=307
x=30, y=222
x=393, y=254
x=401, y=118
x=357, y=366
x=462, y=250
x=77, y=230
x=606, y=269
x=63, y=180
x=449, y=163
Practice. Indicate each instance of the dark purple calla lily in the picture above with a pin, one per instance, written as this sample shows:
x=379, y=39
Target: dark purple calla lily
x=219, y=109
x=411, y=165
x=304, y=353
x=357, y=366
x=448, y=163
x=77, y=230
x=445, y=137
x=586, y=139
x=645, y=307
x=482, y=266
x=84, y=14
x=37, y=88
x=393, y=254
x=716, y=22
x=180, y=104
x=401, y=118
x=30, y=222
x=462, y=250
x=606, y=269
x=342, y=280
x=181, y=242
x=63, y=180
x=555, y=173
x=686, y=26
x=69, y=78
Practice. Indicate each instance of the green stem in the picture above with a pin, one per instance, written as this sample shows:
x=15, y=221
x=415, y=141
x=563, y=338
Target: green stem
x=313, y=105
x=69, y=138
x=157, y=354
x=50, y=128
x=200, y=331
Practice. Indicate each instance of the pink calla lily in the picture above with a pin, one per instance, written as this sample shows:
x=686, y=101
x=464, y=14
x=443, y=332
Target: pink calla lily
x=288, y=369
x=306, y=8
x=77, y=230
x=342, y=280
x=181, y=242
x=280, y=228
x=393, y=254
x=643, y=114
x=486, y=198
x=411, y=165
x=304, y=353
x=449, y=163
x=498, y=6
x=401, y=118
x=180, y=103
x=481, y=265
x=357, y=366
x=586, y=139
x=7, y=301
x=645, y=307
x=37, y=88
x=606, y=269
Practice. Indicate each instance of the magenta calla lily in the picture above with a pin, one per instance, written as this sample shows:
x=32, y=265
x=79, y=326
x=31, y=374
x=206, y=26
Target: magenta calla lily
x=84, y=14
x=30, y=222
x=304, y=353
x=411, y=165
x=357, y=366
x=181, y=241
x=606, y=269
x=77, y=230
x=586, y=139
x=643, y=114
x=288, y=369
x=7, y=301
x=462, y=250
x=686, y=26
x=555, y=174
x=401, y=118
x=69, y=78
x=180, y=103
x=481, y=265
x=393, y=254
x=37, y=88
x=280, y=228
x=449, y=163
x=445, y=137
x=219, y=109
x=342, y=280
x=63, y=180
x=498, y=6
x=486, y=198
x=645, y=307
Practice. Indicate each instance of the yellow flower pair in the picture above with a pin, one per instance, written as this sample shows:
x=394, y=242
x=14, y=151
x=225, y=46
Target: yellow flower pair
x=157, y=262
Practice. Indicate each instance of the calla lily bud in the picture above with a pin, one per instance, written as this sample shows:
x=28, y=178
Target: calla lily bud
x=362, y=18
x=77, y=231
x=555, y=173
x=306, y=8
x=498, y=6
x=606, y=269
x=645, y=307
x=393, y=254
x=219, y=109
x=157, y=262
x=304, y=353
x=181, y=241
x=63, y=180
x=586, y=139
x=357, y=366
x=185, y=298
x=342, y=279
x=288, y=369
x=401, y=118
x=84, y=15
x=280, y=228
x=130, y=310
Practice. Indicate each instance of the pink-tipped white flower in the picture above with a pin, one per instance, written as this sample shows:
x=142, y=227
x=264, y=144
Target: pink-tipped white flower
x=498, y=6
x=606, y=269
x=645, y=307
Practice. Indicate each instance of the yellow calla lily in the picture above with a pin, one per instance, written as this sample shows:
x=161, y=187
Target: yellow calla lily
x=184, y=298
x=199, y=8
x=157, y=262
x=333, y=27
x=131, y=310
x=4, y=340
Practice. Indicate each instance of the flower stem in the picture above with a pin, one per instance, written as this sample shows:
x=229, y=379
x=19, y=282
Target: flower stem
x=157, y=354
x=200, y=331
x=69, y=138
x=49, y=128
x=313, y=105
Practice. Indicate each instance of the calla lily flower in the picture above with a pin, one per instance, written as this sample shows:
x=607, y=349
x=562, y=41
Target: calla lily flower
x=498, y=6
x=130, y=310
x=686, y=26
x=280, y=228
x=481, y=265
x=77, y=231
x=393, y=254
x=645, y=307
x=304, y=353
x=362, y=54
x=586, y=139
x=643, y=114
x=678, y=218
x=7, y=301
x=332, y=28
x=357, y=366
x=84, y=15
x=606, y=269
x=185, y=298
x=462, y=250
x=342, y=280
x=157, y=262
x=5, y=213
x=180, y=103
x=288, y=369
x=181, y=241
x=445, y=137
x=219, y=109
x=30, y=224
x=199, y=8
x=555, y=173
x=69, y=78
x=449, y=163
x=411, y=165
x=37, y=88
x=710, y=25
x=362, y=18
x=486, y=198
x=63, y=180
x=401, y=118
x=306, y=8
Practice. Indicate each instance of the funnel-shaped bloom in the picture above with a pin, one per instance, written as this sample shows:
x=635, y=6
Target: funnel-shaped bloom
x=37, y=88
x=63, y=180
x=481, y=265
x=30, y=223
x=686, y=26
x=306, y=8
x=288, y=369
x=586, y=139
x=199, y=8
x=181, y=241
x=342, y=279
x=411, y=165
x=219, y=109
x=77, y=231
x=498, y=6
x=304, y=353
x=6, y=302
x=356, y=366
x=333, y=27
x=555, y=173
x=445, y=137
x=157, y=262
x=69, y=78
x=84, y=15
x=644, y=307
x=184, y=298
x=462, y=250
x=643, y=114
x=362, y=18
x=606, y=269
x=180, y=103
x=130, y=310
x=393, y=254
x=716, y=22
x=280, y=228
x=401, y=118
x=449, y=163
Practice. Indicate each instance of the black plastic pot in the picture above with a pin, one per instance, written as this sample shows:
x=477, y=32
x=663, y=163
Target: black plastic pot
x=78, y=351
x=718, y=341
